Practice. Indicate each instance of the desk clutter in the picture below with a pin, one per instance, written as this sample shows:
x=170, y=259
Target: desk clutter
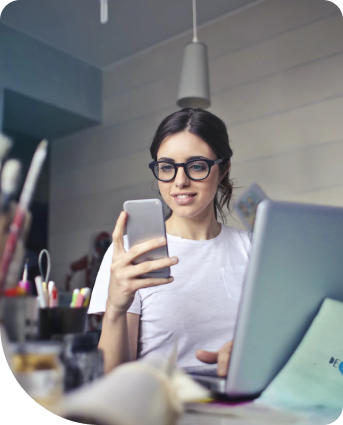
x=307, y=391
x=45, y=340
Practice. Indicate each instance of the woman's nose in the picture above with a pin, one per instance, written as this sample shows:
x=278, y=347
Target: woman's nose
x=181, y=178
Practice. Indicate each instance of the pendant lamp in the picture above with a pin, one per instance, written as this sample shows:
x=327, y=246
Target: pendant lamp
x=194, y=88
x=103, y=11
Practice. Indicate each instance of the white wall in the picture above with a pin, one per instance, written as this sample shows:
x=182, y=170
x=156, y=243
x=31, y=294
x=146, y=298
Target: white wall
x=277, y=82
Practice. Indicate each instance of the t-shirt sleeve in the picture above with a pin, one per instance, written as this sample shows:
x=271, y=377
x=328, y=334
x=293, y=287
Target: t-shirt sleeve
x=100, y=290
x=136, y=306
x=246, y=240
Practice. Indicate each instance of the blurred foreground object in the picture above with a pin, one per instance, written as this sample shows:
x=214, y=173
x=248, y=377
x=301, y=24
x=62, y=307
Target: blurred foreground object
x=83, y=361
x=37, y=368
x=5, y=146
x=19, y=315
x=10, y=179
x=247, y=204
x=20, y=218
x=147, y=392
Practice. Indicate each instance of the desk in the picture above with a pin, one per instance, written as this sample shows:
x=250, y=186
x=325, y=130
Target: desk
x=196, y=419
x=201, y=419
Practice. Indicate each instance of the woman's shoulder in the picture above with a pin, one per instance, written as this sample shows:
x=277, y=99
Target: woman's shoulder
x=240, y=235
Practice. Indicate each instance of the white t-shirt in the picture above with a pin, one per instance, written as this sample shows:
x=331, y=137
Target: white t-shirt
x=199, y=307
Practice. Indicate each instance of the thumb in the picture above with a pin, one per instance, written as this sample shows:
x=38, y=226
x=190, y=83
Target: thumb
x=207, y=356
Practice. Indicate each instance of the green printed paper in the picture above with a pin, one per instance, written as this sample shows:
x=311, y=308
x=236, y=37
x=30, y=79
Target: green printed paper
x=313, y=376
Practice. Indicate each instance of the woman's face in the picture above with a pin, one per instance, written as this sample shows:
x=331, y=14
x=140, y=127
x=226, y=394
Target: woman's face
x=182, y=147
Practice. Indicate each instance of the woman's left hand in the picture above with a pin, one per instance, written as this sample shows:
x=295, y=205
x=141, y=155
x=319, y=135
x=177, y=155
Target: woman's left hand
x=220, y=357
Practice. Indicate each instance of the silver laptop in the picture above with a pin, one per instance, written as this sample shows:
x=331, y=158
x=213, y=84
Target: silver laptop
x=296, y=262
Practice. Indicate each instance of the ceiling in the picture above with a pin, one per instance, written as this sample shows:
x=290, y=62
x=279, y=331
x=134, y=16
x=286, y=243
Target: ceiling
x=73, y=26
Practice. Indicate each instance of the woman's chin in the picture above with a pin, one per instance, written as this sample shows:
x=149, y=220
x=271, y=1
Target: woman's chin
x=187, y=211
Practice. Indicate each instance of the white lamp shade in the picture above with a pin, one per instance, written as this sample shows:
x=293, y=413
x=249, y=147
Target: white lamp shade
x=194, y=88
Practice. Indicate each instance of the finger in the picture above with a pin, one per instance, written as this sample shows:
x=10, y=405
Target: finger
x=148, y=267
x=228, y=346
x=150, y=282
x=223, y=362
x=144, y=247
x=117, y=235
x=209, y=357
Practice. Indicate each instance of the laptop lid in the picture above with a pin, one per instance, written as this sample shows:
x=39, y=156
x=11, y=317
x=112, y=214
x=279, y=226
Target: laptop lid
x=296, y=262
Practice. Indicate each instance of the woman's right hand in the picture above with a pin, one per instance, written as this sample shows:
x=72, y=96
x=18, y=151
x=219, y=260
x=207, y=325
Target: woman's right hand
x=124, y=281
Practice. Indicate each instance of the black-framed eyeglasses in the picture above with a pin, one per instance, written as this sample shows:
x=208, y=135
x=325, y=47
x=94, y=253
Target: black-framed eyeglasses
x=195, y=169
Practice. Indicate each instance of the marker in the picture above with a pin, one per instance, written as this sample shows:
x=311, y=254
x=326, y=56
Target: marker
x=86, y=292
x=45, y=293
x=51, y=286
x=53, y=299
x=74, y=298
x=79, y=300
x=41, y=297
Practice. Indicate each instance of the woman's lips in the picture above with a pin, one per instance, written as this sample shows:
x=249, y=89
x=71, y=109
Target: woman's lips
x=184, y=201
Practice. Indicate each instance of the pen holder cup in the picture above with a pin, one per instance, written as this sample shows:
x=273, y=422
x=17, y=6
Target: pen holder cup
x=20, y=317
x=61, y=321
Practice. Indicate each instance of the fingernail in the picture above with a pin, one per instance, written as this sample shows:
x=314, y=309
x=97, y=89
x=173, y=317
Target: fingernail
x=174, y=260
x=170, y=279
x=162, y=240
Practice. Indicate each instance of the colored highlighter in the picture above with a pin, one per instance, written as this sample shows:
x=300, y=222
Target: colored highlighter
x=74, y=298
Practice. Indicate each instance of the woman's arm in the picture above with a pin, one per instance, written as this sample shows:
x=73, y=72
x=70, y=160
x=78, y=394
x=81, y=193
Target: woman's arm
x=120, y=329
x=119, y=339
x=133, y=326
x=114, y=340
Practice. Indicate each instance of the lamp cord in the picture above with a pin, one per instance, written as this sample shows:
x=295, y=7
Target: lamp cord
x=195, y=34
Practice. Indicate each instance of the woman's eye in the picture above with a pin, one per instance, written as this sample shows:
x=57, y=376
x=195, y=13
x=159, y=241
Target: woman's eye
x=166, y=168
x=197, y=167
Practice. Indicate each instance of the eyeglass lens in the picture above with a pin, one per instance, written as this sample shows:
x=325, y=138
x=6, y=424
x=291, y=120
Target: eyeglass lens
x=196, y=170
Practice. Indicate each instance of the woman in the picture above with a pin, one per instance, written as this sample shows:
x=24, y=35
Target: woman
x=198, y=305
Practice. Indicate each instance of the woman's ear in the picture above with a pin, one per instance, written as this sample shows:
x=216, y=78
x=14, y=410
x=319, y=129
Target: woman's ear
x=223, y=174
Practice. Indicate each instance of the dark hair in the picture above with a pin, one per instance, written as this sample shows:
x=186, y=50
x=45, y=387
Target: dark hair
x=212, y=131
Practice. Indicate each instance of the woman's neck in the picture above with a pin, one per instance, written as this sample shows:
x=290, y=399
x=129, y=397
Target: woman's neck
x=201, y=227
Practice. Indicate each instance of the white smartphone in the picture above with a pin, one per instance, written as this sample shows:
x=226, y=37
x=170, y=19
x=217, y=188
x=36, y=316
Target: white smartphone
x=145, y=221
